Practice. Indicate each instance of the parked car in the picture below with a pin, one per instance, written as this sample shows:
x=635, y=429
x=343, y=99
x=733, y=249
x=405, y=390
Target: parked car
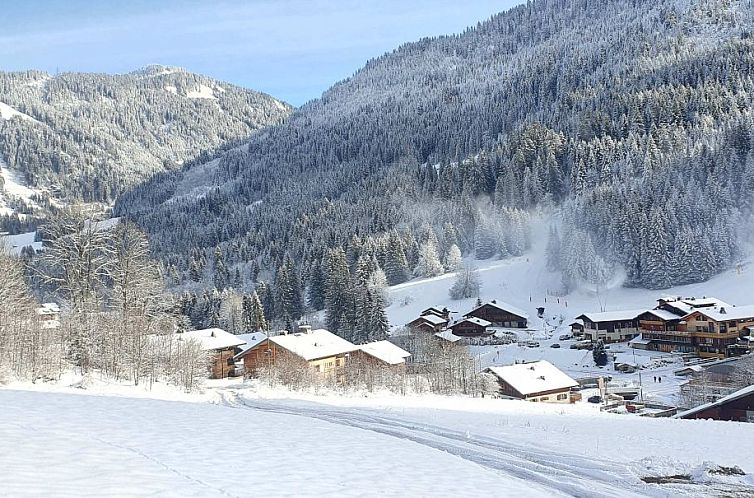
x=532, y=344
x=594, y=399
x=555, y=345
x=565, y=337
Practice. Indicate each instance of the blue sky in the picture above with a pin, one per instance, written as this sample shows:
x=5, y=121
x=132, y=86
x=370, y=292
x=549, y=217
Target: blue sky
x=291, y=49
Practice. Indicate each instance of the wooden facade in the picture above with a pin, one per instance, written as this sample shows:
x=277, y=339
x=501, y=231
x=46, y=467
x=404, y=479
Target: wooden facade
x=551, y=396
x=222, y=364
x=610, y=327
x=267, y=354
x=499, y=316
x=473, y=327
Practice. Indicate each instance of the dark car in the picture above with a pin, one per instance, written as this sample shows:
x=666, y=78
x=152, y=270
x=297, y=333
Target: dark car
x=555, y=345
x=594, y=399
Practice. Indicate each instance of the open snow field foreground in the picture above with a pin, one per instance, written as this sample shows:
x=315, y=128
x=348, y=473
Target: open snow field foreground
x=249, y=440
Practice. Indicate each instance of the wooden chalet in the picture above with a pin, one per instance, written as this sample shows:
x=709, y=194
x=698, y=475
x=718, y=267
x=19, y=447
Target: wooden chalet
x=221, y=347
x=538, y=381
x=500, y=315
x=577, y=327
x=442, y=312
x=737, y=407
x=611, y=326
x=383, y=354
x=322, y=350
x=471, y=327
x=428, y=323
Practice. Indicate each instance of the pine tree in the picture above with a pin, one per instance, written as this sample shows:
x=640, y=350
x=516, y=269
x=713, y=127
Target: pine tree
x=396, y=265
x=553, y=250
x=453, y=259
x=429, y=261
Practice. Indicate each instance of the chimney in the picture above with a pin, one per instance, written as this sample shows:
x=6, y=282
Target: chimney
x=722, y=310
x=212, y=334
x=305, y=328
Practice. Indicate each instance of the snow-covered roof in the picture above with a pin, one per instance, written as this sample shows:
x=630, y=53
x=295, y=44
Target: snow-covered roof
x=664, y=315
x=689, y=304
x=746, y=391
x=577, y=321
x=534, y=377
x=211, y=339
x=613, y=316
x=476, y=321
x=251, y=340
x=721, y=314
x=503, y=307
x=433, y=319
x=448, y=335
x=314, y=344
x=385, y=351
x=640, y=340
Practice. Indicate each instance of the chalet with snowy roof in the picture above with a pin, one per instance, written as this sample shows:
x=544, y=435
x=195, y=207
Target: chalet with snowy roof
x=577, y=327
x=737, y=407
x=428, y=323
x=322, y=350
x=611, y=326
x=717, y=330
x=441, y=311
x=471, y=327
x=500, y=314
x=383, y=354
x=538, y=381
x=662, y=330
x=221, y=347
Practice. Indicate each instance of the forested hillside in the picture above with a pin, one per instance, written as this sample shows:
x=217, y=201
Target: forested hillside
x=630, y=119
x=88, y=137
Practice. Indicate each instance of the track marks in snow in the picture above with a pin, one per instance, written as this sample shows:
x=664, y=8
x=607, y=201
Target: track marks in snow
x=569, y=474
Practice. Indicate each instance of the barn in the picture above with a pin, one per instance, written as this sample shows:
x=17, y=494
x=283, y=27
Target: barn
x=471, y=327
x=221, y=347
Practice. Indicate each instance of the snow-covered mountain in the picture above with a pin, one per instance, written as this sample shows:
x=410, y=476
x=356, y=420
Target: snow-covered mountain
x=88, y=137
x=632, y=118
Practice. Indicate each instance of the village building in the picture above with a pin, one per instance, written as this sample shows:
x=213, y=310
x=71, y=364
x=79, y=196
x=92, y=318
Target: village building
x=221, y=347
x=471, y=327
x=709, y=327
x=738, y=407
x=442, y=312
x=428, y=323
x=577, y=328
x=500, y=315
x=383, y=354
x=538, y=381
x=322, y=350
x=611, y=326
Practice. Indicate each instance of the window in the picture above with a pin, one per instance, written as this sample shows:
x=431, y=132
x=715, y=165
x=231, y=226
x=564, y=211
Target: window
x=546, y=398
x=562, y=397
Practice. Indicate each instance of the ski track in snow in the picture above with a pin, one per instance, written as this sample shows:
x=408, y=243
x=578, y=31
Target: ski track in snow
x=575, y=475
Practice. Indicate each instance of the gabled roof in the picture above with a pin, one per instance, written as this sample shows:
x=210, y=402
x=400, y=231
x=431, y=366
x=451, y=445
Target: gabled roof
x=48, y=309
x=252, y=340
x=211, y=339
x=612, y=316
x=724, y=313
x=431, y=319
x=386, y=352
x=534, y=377
x=746, y=391
x=448, y=335
x=474, y=320
x=502, y=307
x=314, y=344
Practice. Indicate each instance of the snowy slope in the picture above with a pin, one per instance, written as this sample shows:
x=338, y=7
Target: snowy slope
x=75, y=445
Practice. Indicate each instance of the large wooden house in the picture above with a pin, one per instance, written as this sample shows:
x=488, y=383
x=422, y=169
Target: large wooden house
x=708, y=327
x=221, y=347
x=611, y=326
x=322, y=350
x=428, y=323
x=500, y=315
x=538, y=381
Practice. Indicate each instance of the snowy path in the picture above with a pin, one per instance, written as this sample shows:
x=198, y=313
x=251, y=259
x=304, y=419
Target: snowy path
x=560, y=473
